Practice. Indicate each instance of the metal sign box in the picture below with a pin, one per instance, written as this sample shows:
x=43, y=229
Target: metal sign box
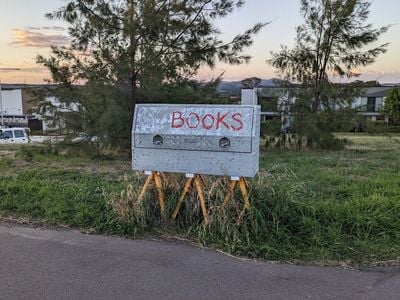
x=197, y=139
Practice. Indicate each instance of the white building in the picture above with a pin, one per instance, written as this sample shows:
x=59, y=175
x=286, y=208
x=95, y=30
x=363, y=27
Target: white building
x=14, y=105
x=275, y=101
x=371, y=101
x=12, y=102
x=16, y=108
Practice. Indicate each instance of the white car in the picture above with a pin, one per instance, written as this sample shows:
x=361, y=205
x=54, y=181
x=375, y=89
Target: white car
x=15, y=135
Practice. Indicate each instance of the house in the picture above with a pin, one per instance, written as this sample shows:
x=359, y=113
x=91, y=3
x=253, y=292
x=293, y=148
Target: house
x=371, y=101
x=275, y=101
x=16, y=107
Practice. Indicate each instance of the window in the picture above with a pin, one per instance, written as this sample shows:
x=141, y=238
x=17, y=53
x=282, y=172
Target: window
x=7, y=134
x=371, y=104
x=19, y=134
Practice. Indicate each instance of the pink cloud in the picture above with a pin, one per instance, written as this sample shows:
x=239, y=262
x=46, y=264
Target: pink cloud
x=40, y=37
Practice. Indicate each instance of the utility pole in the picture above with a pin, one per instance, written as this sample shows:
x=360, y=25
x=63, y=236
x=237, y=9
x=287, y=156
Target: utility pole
x=1, y=96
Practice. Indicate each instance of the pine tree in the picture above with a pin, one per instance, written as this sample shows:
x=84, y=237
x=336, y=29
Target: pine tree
x=124, y=51
x=332, y=41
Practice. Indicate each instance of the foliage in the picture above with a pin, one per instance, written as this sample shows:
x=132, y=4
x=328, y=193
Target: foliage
x=392, y=106
x=371, y=83
x=306, y=205
x=270, y=127
x=272, y=131
x=190, y=91
x=129, y=51
x=332, y=41
x=379, y=127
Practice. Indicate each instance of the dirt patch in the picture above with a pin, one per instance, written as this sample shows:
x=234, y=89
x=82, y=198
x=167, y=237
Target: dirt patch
x=7, y=154
x=116, y=168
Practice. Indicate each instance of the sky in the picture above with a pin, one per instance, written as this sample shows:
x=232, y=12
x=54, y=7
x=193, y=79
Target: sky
x=25, y=33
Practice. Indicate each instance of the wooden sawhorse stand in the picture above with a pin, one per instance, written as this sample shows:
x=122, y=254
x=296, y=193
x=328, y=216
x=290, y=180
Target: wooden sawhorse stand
x=244, y=186
x=198, y=183
x=156, y=176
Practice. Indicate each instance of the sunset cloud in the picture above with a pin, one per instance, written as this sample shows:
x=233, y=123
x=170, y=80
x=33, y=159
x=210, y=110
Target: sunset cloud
x=40, y=37
x=381, y=76
x=53, y=28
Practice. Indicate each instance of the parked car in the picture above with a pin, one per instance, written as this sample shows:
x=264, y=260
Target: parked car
x=15, y=135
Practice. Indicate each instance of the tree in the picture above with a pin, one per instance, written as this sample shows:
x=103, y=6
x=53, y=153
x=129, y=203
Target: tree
x=127, y=51
x=392, y=106
x=332, y=41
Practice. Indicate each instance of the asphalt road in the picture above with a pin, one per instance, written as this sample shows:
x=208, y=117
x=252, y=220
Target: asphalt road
x=48, y=264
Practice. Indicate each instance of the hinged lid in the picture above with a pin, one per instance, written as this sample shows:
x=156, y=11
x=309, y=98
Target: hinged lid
x=223, y=128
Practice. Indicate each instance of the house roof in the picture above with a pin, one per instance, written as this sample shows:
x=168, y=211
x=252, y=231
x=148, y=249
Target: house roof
x=378, y=92
x=8, y=86
x=271, y=92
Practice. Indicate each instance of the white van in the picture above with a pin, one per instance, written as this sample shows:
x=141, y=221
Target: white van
x=15, y=135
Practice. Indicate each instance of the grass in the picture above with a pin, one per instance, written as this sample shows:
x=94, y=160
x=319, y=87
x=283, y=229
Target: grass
x=306, y=205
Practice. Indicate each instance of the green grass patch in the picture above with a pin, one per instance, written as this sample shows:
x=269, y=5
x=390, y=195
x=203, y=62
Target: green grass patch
x=306, y=205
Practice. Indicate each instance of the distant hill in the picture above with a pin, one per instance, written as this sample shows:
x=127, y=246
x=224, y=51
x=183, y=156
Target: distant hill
x=233, y=87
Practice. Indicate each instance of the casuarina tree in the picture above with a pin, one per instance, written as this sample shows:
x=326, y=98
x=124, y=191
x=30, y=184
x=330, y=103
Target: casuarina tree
x=122, y=51
x=333, y=40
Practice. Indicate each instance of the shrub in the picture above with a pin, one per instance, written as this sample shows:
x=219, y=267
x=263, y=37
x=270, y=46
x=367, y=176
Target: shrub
x=270, y=127
x=374, y=127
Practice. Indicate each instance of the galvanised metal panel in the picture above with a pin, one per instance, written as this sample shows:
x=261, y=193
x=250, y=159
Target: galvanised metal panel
x=193, y=142
x=197, y=139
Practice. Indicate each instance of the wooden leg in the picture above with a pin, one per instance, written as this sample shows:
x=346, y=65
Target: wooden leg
x=163, y=176
x=246, y=182
x=203, y=180
x=182, y=197
x=199, y=188
x=144, y=188
x=161, y=198
x=243, y=188
x=230, y=192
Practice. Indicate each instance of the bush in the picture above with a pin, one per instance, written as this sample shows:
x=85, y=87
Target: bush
x=392, y=106
x=263, y=129
x=374, y=127
x=29, y=152
x=270, y=127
